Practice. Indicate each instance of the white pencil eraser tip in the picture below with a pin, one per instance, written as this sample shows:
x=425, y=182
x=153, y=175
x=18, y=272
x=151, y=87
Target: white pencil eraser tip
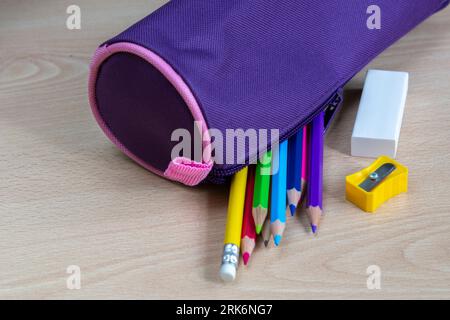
x=228, y=272
x=380, y=114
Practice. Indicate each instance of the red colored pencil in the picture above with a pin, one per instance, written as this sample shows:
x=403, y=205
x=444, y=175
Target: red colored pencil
x=248, y=236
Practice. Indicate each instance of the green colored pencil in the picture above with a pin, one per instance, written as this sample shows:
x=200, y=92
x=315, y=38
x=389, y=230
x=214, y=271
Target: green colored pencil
x=262, y=189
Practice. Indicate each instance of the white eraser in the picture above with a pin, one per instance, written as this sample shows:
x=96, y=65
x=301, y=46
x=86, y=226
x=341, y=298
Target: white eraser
x=228, y=272
x=379, y=119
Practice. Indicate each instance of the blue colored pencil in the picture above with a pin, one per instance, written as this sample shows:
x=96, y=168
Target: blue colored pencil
x=315, y=183
x=278, y=195
x=294, y=171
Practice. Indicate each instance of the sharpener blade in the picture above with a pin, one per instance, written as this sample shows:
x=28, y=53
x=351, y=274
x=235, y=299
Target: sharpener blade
x=375, y=178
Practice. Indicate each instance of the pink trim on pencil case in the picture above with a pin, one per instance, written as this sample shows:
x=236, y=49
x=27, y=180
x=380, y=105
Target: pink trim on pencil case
x=187, y=171
x=182, y=170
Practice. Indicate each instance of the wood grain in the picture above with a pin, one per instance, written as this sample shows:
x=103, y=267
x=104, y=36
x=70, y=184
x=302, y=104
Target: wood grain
x=69, y=197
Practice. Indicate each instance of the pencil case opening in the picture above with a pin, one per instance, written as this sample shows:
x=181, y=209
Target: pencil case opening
x=202, y=65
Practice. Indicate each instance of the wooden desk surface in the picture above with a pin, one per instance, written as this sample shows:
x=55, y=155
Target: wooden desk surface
x=69, y=197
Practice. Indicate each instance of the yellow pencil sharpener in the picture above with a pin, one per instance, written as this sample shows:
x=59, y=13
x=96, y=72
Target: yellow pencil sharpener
x=374, y=185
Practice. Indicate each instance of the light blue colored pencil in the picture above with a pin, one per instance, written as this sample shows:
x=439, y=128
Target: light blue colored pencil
x=294, y=173
x=278, y=195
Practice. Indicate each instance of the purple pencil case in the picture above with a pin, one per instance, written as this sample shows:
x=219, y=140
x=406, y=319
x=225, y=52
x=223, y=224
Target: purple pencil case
x=199, y=65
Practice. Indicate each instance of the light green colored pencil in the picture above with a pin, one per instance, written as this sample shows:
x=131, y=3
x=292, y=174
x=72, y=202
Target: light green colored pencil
x=262, y=189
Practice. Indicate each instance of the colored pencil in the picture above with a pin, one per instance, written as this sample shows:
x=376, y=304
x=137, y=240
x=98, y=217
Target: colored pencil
x=294, y=171
x=305, y=162
x=262, y=190
x=315, y=181
x=230, y=258
x=248, y=235
x=266, y=233
x=278, y=195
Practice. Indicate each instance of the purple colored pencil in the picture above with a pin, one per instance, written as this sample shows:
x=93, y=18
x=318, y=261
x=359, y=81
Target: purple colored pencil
x=315, y=180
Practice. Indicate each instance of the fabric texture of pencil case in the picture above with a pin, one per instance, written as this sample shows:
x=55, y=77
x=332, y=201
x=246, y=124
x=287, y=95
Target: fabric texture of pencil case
x=235, y=64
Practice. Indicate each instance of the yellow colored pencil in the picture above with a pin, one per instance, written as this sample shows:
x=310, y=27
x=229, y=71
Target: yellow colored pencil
x=230, y=258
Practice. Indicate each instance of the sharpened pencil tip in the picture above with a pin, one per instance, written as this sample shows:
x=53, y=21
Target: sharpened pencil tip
x=245, y=257
x=292, y=208
x=258, y=228
x=277, y=240
x=266, y=242
x=313, y=228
